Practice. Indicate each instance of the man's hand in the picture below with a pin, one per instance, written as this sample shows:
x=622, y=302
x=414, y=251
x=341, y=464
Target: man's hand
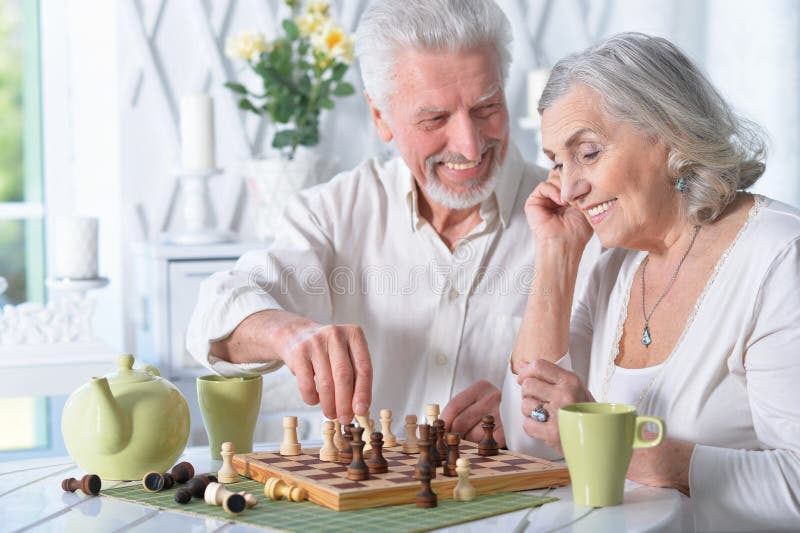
x=331, y=363
x=464, y=412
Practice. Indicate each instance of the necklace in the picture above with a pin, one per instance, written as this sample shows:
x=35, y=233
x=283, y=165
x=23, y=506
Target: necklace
x=647, y=339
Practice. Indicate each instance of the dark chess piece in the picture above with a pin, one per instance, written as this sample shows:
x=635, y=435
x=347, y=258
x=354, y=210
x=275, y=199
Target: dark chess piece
x=357, y=470
x=182, y=472
x=88, y=484
x=156, y=481
x=197, y=485
x=488, y=446
x=424, y=444
x=441, y=446
x=426, y=498
x=346, y=455
x=183, y=496
x=377, y=464
x=453, y=440
x=436, y=457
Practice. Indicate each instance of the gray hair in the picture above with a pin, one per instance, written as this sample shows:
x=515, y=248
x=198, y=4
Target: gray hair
x=391, y=26
x=649, y=83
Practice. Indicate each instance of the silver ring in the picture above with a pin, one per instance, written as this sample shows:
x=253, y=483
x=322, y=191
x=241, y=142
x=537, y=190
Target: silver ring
x=540, y=414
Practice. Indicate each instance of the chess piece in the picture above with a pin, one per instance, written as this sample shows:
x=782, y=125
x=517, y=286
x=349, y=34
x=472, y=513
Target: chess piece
x=389, y=440
x=346, y=455
x=367, y=423
x=488, y=446
x=357, y=470
x=182, y=472
x=424, y=445
x=156, y=481
x=217, y=494
x=290, y=446
x=431, y=413
x=88, y=484
x=183, y=496
x=441, y=445
x=197, y=485
x=275, y=488
x=453, y=440
x=338, y=439
x=227, y=474
x=410, y=445
x=463, y=491
x=377, y=464
x=426, y=498
x=436, y=456
x=249, y=499
x=328, y=452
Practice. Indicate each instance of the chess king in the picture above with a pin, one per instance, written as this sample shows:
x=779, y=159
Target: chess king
x=402, y=281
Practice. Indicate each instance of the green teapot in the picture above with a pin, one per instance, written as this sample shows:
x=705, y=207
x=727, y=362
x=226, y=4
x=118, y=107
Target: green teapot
x=126, y=424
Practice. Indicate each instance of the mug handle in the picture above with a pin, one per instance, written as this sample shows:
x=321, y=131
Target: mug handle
x=638, y=441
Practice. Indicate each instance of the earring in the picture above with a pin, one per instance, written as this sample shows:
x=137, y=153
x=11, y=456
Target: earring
x=681, y=186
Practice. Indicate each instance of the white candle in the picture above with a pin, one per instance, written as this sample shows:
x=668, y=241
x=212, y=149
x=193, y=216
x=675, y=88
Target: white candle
x=537, y=79
x=75, y=248
x=197, y=133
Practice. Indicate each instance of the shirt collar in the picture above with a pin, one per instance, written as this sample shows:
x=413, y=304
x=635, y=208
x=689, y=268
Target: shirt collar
x=505, y=192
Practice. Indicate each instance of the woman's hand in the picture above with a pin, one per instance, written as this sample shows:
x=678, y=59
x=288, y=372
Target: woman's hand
x=550, y=218
x=545, y=383
x=665, y=465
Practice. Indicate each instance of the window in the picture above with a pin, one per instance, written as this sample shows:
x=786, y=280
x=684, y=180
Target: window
x=21, y=202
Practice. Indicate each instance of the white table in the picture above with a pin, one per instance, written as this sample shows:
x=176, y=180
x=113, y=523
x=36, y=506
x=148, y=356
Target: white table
x=31, y=499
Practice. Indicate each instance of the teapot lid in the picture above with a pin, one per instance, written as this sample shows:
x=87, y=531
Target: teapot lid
x=127, y=374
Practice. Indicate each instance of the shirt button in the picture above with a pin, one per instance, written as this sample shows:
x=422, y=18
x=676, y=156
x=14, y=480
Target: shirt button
x=441, y=359
x=454, y=293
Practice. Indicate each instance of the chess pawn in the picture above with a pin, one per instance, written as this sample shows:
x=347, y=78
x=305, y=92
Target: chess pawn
x=156, y=481
x=88, y=484
x=426, y=498
x=377, y=464
x=183, y=496
x=328, y=452
x=453, y=441
x=463, y=491
x=437, y=458
x=275, y=488
x=389, y=440
x=431, y=413
x=290, y=446
x=197, y=485
x=227, y=474
x=346, y=455
x=249, y=499
x=365, y=422
x=338, y=439
x=441, y=444
x=217, y=494
x=488, y=446
x=182, y=472
x=410, y=445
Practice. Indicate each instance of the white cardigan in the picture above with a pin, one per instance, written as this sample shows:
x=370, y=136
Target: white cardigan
x=732, y=383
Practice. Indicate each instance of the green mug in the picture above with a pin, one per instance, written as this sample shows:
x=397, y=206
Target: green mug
x=230, y=408
x=598, y=440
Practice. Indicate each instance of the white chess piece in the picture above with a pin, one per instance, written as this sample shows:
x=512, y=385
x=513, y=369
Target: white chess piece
x=365, y=422
x=410, y=445
x=227, y=474
x=217, y=494
x=338, y=438
x=290, y=446
x=431, y=413
x=463, y=491
x=328, y=452
x=389, y=440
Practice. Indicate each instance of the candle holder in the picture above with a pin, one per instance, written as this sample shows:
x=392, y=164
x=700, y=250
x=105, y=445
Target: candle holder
x=199, y=221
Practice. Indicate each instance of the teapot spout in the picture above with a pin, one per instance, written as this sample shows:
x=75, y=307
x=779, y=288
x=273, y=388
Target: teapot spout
x=111, y=430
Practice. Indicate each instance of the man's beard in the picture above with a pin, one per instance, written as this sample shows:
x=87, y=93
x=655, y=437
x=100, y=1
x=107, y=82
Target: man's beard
x=477, y=191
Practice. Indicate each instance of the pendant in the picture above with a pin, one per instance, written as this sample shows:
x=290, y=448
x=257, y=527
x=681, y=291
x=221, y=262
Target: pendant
x=646, y=340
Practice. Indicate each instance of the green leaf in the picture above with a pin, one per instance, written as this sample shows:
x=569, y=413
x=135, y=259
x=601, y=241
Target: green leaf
x=327, y=103
x=343, y=89
x=236, y=87
x=291, y=29
x=245, y=104
x=339, y=71
x=284, y=138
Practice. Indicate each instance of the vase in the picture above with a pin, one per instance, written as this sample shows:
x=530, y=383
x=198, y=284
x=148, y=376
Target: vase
x=272, y=181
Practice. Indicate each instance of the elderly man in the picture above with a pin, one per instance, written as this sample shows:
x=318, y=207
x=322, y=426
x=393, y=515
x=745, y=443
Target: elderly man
x=398, y=283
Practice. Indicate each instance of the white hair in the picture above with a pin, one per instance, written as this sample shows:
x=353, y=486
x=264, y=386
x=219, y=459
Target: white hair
x=388, y=27
x=650, y=83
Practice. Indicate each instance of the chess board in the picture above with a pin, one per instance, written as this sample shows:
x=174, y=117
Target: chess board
x=327, y=483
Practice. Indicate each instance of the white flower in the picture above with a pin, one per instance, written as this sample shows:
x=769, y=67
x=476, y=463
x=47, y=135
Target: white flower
x=248, y=45
x=310, y=23
x=318, y=7
x=332, y=41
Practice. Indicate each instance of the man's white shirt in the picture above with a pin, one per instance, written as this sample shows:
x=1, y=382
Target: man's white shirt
x=355, y=250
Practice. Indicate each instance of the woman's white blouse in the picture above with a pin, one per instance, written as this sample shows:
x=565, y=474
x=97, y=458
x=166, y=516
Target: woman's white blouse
x=732, y=383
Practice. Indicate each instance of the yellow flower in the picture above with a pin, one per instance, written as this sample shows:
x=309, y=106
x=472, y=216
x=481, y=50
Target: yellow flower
x=332, y=41
x=247, y=45
x=318, y=7
x=310, y=23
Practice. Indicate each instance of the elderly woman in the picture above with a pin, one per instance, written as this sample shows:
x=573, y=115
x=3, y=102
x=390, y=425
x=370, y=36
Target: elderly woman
x=694, y=315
